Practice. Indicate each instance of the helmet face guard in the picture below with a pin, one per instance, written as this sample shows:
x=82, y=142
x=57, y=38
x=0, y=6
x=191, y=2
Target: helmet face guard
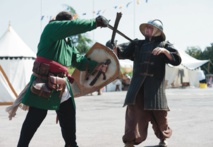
x=156, y=23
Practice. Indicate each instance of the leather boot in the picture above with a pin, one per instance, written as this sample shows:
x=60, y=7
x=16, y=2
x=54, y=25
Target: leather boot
x=129, y=144
x=163, y=143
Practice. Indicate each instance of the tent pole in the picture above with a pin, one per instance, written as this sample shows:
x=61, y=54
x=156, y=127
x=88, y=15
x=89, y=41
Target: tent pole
x=210, y=63
x=6, y=103
x=209, y=67
x=10, y=85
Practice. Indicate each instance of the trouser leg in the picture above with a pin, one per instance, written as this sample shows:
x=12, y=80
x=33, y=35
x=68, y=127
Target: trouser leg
x=67, y=119
x=160, y=124
x=137, y=120
x=32, y=122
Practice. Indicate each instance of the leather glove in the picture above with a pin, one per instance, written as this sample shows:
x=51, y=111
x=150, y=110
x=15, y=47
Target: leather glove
x=110, y=45
x=101, y=21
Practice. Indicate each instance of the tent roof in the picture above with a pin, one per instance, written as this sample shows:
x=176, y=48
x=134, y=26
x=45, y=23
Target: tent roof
x=190, y=62
x=187, y=62
x=11, y=45
x=126, y=63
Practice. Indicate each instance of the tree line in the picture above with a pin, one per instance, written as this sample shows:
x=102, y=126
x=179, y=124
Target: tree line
x=206, y=54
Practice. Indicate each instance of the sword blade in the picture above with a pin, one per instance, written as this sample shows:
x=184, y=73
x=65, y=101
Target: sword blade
x=118, y=17
x=119, y=32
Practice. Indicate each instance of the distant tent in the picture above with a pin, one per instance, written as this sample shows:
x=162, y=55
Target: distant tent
x=187, y=72
x=126, y=65
x=8, y=94
x=189, y=62
x=16, y=58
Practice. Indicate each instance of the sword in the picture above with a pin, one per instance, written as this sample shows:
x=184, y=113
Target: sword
x=118, y=17
x=120, y=33
x=107, y=62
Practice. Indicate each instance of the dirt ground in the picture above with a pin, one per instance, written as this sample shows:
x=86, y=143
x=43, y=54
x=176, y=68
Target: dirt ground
x=100, y=121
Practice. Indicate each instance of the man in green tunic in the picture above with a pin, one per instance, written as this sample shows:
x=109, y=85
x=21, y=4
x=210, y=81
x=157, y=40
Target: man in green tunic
x=55, y=53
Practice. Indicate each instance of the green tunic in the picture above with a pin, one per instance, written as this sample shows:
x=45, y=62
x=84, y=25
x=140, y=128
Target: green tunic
x=53, y=45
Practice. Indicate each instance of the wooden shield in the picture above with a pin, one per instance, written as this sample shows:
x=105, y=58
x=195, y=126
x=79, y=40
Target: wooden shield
x=99, y=53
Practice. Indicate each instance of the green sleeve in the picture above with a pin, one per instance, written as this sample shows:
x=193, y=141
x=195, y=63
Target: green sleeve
x=57, y=30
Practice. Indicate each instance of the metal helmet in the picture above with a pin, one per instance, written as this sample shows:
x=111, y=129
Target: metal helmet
x=155, y=23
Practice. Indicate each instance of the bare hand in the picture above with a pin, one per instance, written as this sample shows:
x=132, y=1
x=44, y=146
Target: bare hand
x=158, y=51
x=115, y=50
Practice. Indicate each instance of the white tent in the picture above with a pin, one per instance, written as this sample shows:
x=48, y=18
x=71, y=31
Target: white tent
x=16, y=58
x=189, y=62
x=188, y=72
x=126, y=64
x=8, y=94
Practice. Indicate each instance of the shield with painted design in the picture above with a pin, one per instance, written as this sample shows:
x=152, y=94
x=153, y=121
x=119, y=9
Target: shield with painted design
x=102, y=54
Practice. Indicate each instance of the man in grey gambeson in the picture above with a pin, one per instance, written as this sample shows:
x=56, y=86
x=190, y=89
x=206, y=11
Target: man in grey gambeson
x=146, y=99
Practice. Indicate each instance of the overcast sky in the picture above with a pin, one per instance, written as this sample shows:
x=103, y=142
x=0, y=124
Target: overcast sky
x=186, y=23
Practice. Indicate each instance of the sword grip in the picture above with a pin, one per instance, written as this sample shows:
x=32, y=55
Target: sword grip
x=107, y=62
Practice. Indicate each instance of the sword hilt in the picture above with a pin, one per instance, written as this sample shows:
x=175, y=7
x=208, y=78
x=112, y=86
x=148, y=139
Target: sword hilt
x=107, y=62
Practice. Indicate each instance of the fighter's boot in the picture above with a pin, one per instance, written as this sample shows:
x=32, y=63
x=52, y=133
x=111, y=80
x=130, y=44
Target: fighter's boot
x=163, y=143
x=129, y=144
